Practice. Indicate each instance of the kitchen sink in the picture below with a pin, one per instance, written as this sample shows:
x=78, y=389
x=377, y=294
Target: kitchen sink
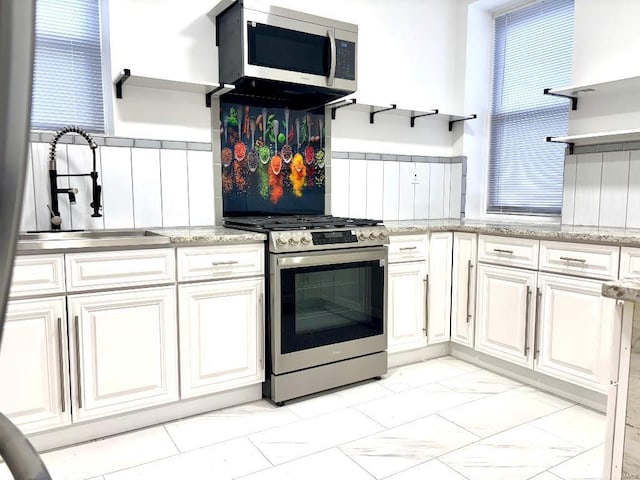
x=63, y=239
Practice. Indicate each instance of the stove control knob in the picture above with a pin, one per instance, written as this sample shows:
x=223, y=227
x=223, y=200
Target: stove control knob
x=373, y=236
x=282, y=239
x=306, y=238
x=295, y=239
x=362, y=236
x=382, y=235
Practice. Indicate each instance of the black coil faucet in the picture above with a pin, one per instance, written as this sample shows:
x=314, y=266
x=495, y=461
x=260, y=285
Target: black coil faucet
x=96, y=189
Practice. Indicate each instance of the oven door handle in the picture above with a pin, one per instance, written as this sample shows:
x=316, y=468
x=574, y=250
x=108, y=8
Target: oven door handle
x=333, y=258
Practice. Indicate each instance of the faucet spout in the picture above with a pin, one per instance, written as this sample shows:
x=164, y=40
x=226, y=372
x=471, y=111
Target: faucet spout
x=96, y=189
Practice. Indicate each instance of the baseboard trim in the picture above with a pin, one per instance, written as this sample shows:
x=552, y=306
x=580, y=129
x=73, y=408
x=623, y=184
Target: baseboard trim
x=398, y=359
x=96, y=429
x=589, y=398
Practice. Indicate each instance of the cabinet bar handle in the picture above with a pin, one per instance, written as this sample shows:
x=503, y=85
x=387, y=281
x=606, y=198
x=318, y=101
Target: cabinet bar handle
x=501, y=250
x=226, y=262
x=60, y=364
x=526, y=321
x=77, y=322
x=426, y=313
x=571, y=259
x=469, y=268
x=408, y=248
x=536, y=348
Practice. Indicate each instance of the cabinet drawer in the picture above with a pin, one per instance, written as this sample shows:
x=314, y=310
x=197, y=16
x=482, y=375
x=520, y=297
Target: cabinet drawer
x=597, y=261
x=37, y=275
x=408, y=248
x=512, y=252
x=120, y=269
x=223, y=261
x=630, y=262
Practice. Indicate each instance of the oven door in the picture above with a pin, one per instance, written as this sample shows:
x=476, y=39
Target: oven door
x=291, y=50
x=327, y=306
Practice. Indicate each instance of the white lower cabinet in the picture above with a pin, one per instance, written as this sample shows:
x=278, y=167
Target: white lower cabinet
x=504, y=313
x=439, y=288
x=406, y=322
x=221, y=335
x=123, y=351
x=34, y=365
x=463, y=293
x=575, y=325
x=557, y=325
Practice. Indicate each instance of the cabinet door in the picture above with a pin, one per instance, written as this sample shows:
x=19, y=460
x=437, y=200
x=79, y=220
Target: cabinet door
x=439, y=285
x=221, y=335
x=504, y=312
x=34, y=365
x=124, y=351
x=575, y=326
x=463, y=293
x=406, y=322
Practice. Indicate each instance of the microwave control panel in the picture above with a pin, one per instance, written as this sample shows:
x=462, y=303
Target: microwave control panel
x=345, y=59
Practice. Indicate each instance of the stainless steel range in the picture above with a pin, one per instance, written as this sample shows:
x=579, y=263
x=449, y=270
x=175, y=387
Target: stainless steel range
x=326, y=308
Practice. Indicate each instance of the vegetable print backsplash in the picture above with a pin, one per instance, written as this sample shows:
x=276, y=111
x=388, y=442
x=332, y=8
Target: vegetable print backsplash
x=272, y=160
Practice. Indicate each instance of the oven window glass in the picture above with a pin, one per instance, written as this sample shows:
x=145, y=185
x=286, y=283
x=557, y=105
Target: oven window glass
x=288, y=49
x=331, y=304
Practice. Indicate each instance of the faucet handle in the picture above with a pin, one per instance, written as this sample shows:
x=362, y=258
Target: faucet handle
x=56, y=220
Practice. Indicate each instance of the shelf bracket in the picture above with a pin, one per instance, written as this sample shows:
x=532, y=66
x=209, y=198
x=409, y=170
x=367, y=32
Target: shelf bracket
x=574, y=100
x=569, y=144
x=333, y=109
x=413, y=117
x=216, y=92
x=374, y=112
x=122, y=77
x=471, y=117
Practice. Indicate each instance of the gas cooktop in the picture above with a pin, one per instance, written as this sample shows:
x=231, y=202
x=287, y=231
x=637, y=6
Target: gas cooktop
x=297, y=222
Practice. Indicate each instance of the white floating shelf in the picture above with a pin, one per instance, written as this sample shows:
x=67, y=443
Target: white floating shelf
x=205, y=88
x=624, y=85
x=599, y=137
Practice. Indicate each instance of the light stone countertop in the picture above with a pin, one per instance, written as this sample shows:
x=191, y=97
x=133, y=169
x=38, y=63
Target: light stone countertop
x=625, y=289
x=209, y=235
x=612, y=236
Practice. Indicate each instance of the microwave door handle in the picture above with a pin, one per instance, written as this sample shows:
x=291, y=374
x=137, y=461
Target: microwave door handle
x=332, y=65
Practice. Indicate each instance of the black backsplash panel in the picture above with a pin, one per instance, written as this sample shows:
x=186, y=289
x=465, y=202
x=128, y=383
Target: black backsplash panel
x=279, y=168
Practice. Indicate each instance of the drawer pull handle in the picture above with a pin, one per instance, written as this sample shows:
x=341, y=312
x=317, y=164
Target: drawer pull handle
x=501, y=250
x=227, y=262
x=571, y=259
x=407, y=248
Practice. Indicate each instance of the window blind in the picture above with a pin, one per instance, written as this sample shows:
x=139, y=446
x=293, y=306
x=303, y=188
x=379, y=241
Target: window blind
x=67, y=77
x=532, y=50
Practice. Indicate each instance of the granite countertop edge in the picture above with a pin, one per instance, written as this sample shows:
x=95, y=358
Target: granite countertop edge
x=208, y=235
x=612, y=236
x=627, y=289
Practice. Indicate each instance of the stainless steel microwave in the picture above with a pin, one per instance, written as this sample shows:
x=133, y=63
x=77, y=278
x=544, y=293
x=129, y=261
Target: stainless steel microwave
x=273, y=52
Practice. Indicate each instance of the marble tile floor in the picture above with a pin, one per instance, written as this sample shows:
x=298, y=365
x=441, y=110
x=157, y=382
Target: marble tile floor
x=442, y=419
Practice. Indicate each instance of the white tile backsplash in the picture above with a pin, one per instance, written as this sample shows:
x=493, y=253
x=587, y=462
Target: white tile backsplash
x=150, y=187
x=147, y=194
x=587, y=198
x=614, y=189
x=117, y=187
x=602, y=189
x=200, y=172
x=175, y=188
x=633, y=200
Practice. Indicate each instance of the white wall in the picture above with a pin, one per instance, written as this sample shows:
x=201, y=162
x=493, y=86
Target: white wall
x=405, y=57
